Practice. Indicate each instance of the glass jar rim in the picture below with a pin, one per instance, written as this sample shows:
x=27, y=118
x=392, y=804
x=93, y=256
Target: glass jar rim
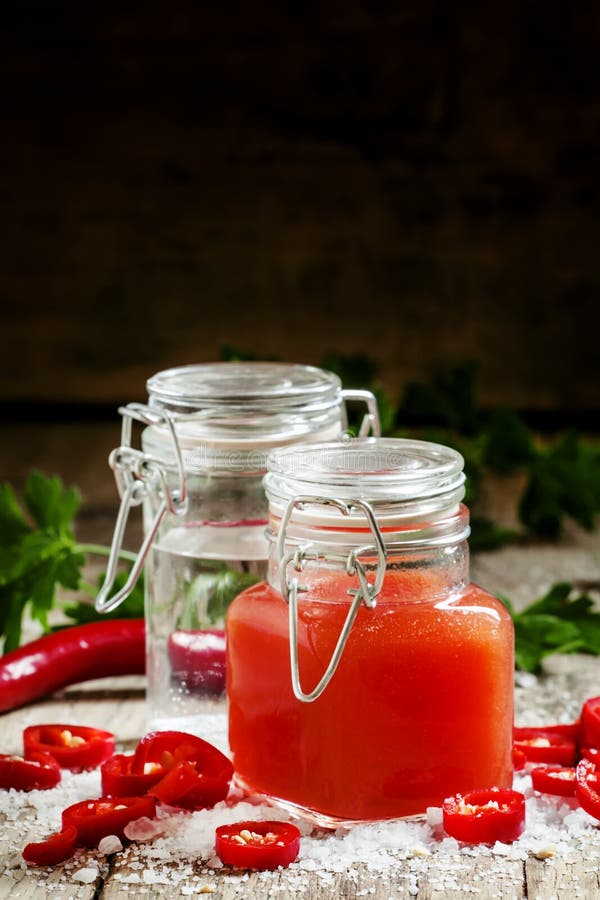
x=414, y=489
x=244, y=387
x=371, y=469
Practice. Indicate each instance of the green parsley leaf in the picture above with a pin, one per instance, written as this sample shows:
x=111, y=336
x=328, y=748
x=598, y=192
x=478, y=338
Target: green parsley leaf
x=507, y=442
x=131, y=608
x=36, y=557
x=51, y=506
x=558, y=622
x=564, y=480
x=13, y=525
x=207, y=597
x=449, y=400
x=553, y=603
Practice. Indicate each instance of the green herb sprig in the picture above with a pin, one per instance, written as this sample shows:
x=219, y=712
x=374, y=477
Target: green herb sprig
x=562, y=621
x=39, y=555
x=562, y=477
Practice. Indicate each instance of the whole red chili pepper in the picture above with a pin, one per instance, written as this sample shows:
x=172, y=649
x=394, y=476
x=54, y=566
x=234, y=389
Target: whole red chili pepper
x=197, y=660
x=96, y=650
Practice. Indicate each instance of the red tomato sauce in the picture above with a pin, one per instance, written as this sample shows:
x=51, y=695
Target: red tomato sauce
x=420, y=707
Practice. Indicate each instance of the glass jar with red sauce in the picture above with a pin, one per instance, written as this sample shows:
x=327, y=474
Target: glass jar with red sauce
x=367, y=677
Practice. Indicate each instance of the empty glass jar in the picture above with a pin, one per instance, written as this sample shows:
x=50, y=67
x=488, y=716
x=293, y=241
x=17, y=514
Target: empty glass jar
x=207, y=432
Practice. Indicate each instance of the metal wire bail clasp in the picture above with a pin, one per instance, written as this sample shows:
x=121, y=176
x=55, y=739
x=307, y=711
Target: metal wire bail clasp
x=366, y=593
x=371, y=423
x=134, y=470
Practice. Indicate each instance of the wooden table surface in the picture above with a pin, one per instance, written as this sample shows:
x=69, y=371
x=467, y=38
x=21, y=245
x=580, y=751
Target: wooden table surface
x=119, y=705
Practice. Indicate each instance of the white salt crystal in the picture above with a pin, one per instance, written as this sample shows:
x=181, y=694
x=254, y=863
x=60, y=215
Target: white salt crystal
x=110, y=844
x=87, y=875
x=150, y=877
x=434, y=816
x=144, y=829
x=449, y=845
x=525, y=679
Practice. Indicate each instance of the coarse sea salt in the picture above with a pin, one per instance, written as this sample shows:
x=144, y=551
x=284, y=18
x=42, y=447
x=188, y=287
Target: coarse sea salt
x=177, y=849
x=86, y=875
x=110, y=844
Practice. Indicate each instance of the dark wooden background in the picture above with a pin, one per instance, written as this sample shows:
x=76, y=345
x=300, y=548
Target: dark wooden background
x=413, y=181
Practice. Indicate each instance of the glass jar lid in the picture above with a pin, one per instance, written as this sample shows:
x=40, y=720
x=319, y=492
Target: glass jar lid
x=227, y=416
x=245, y=386
x=412, y=486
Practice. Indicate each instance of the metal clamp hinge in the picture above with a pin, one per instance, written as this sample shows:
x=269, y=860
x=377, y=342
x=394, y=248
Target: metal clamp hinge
x=134, y=472
x=366, y=592
x=371, y=424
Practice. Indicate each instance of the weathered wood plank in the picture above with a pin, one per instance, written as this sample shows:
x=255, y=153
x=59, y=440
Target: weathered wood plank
x=95, y=704
x=487, y=878
x=564, y=879
x=19, y=881
x=357, y=881
x=27, y=886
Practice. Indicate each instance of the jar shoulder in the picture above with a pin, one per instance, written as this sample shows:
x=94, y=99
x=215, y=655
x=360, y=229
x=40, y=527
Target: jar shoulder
x=400, y=591
x=475, y=595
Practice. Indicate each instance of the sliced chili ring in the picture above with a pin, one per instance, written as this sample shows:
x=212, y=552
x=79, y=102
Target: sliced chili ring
x=587, y=787
x=546, y=745
x=570, y=730
x=169, y=748
x=558, y=780
x=257, y=845
x=95, y=819
x=519, y=759
x=590, y=722
x=486, y=816
x=40, y=772
x=179, y=782
x=55, y=849
x=119, y=781
x=74, y=747
x=591, y=753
